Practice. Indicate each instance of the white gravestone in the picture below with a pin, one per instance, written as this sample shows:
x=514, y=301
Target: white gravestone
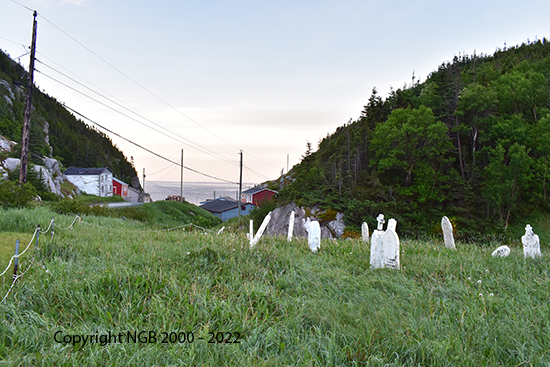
x=261, y=230
x=250, y=234
x=502, y=251
x=447, y=228
x=313, y=234
x=365, y=232
x=290, y=226
x=531, y=243
x=377, y=245
x=391, y=246
x=392, y=224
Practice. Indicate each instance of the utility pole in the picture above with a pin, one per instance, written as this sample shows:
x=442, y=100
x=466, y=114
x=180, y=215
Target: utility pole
x=27, y=117
x=181, y=188
x=240, y=183
x=143, y=180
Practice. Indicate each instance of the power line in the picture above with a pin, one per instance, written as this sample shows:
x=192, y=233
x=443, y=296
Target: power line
x=26, y=7
x=146, y=149
x=12, y=41
x=134, y=81
x=197, y=146
x=194, y=145
x=255, y=172
x=173, y=133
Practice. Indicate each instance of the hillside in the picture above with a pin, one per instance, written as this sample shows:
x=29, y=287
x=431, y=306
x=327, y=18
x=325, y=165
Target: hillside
x=55, y=132
x=472, y=142
x=283, y=305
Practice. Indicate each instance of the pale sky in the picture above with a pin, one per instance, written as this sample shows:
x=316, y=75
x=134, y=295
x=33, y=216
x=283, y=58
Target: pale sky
x=264, y=77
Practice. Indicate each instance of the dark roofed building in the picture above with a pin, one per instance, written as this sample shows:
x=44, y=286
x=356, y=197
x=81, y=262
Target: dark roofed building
x=225, y=209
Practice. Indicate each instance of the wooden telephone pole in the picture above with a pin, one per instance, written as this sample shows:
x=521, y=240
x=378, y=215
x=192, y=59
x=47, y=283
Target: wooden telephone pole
x=27, y=118
x=240, y=183
x=181, y=186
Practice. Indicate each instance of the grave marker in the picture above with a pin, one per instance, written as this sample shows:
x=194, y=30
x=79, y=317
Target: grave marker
x=447, y=228
x=391, y=246
x=365, y=232
x=531, y=243
x=502, y=251
x=377, y=245
x=313, y=234
x=290, y=226
x=261, y=230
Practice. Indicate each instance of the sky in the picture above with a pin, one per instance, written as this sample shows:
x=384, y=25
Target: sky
x=215, y=77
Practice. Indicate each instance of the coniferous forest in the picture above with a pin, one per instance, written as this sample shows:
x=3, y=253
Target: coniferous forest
x=72, y=142
x=471, y=142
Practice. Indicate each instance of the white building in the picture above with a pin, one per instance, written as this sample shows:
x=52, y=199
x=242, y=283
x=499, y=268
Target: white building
x=92, y=181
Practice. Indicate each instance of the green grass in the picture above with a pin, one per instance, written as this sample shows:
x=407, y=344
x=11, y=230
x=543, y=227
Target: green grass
x=159, y=214
x=168, y=214
x=291, y=307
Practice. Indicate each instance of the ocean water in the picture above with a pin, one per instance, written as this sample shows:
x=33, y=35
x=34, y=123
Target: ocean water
x=193, y=192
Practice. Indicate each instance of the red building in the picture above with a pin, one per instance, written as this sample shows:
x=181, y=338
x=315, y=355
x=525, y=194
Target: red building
x=120, y=188
x=256, y=195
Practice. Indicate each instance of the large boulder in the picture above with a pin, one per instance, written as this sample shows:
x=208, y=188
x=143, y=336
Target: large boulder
x=332, y=223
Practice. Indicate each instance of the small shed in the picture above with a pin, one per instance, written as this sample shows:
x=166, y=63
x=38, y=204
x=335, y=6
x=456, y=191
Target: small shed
x=256, y=195
x=120, y=188
x=92, y=181
x=225, y=209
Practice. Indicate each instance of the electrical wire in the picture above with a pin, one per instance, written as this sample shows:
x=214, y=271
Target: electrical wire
x=145, y=89
x=172, y=134
x=146, y=149
x=12, y=41
x=26, y=7
x=134, y=81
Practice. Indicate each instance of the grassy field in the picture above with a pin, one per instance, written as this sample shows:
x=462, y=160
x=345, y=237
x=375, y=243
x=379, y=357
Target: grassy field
x=109, y=281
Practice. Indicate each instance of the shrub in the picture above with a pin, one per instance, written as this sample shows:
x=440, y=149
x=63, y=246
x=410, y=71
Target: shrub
x=14, y=196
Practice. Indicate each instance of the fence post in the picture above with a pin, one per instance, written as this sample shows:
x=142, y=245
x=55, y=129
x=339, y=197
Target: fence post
x=53, y=228
x=16, y=260
x=37, y=235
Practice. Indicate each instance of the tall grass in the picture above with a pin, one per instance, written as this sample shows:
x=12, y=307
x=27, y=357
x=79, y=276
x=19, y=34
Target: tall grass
x=291, y=307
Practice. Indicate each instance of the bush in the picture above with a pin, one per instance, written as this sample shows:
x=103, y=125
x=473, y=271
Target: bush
x=74, y=206
x=14, y=196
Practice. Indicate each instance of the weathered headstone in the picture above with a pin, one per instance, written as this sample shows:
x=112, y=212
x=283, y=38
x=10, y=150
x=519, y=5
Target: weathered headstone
x=391, y=246
x=250, y=234
x=313, y=234
x=260, y=230
x=502, y=251
x=290, y=226
x=365, y=232
x=531, y=243
x=447, y=228
x=377, y=245
x=221, y=230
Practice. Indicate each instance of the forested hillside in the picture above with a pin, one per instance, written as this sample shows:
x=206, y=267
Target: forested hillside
x=472, y=142
x=72, y=141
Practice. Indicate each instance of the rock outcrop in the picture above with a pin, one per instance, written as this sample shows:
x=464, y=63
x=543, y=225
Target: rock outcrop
x=332, y=223
x=50, y=172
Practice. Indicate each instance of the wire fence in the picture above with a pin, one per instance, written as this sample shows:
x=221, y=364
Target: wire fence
x=14, y=260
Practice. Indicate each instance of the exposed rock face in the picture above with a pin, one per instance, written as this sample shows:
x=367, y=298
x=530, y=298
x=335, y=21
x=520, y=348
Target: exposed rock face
x=330, y=227
x=50, y=173
x=6, y=145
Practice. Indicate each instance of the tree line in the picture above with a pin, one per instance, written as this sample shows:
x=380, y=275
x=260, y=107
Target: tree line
x=472, y=142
